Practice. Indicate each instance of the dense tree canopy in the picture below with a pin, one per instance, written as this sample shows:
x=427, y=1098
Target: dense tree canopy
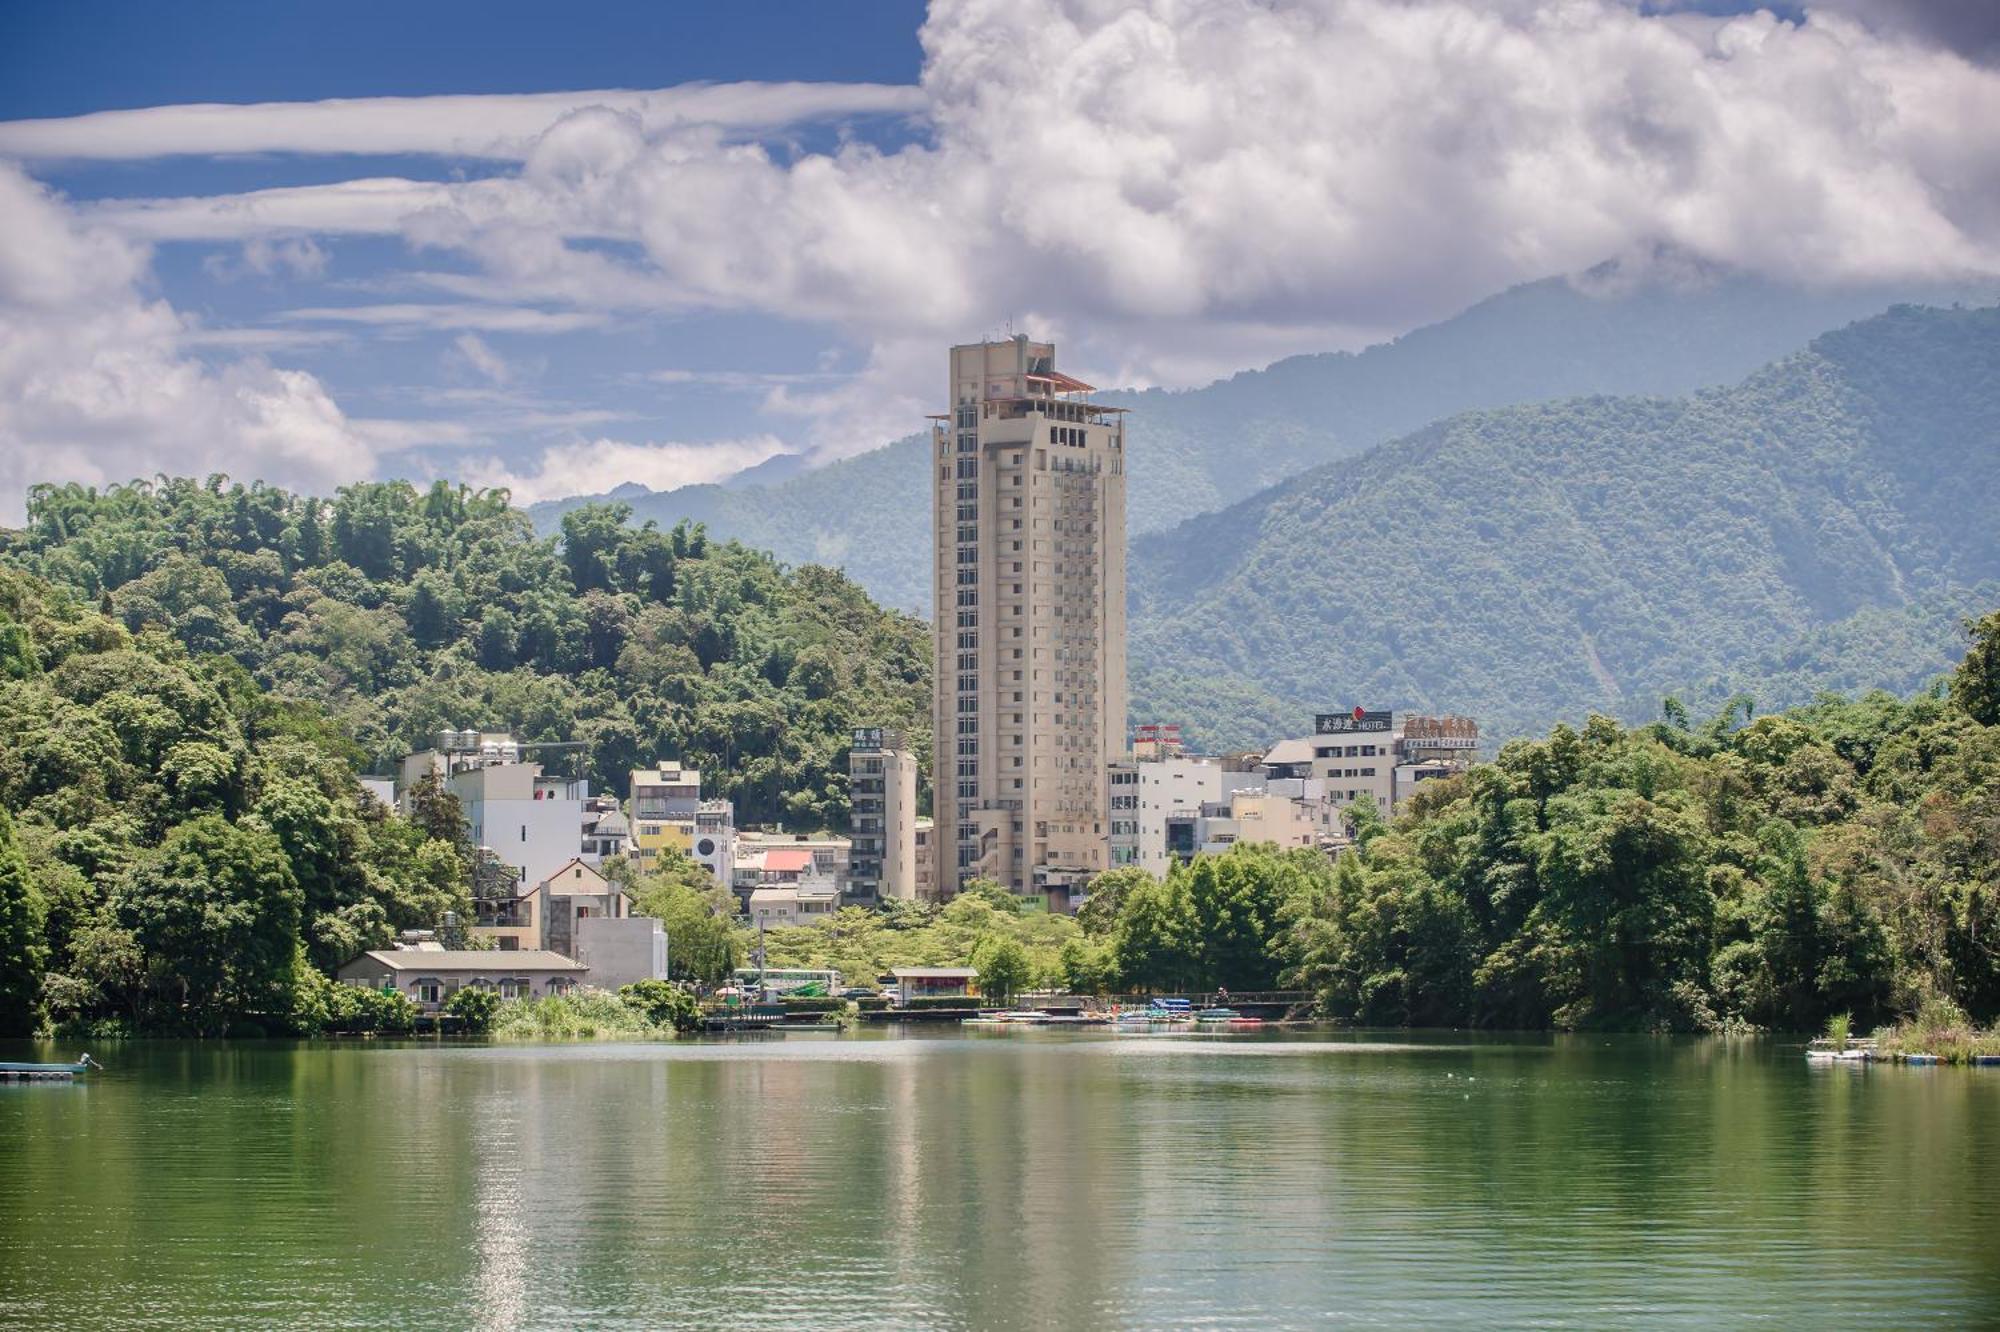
x=403, y=612
x=183, y=843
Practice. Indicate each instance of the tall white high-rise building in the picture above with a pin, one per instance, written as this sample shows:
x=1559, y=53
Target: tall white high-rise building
x=1029, y=516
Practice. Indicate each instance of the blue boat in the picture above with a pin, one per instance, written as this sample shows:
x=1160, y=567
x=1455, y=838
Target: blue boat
x=64, y=1071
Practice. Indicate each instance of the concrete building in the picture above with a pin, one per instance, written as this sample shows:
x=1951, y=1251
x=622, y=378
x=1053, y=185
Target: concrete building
x=1165, y=784
x=1121, y=812
x=882, y=789
x=714, y=846
x=577, y=913
x=605, y=830
x=1029, y=523
x=430, y=976
x=661, y=810
x=818, y=861
x=530, y=820
x=621, y=950
x=1365, y=752
x=924, y=840
x=804, y=902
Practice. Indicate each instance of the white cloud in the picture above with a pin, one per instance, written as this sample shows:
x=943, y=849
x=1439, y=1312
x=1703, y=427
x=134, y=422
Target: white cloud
x=1173, y=188
x=269, y=256
x=485, y=318
x=595, y=466
x=95, y=385
x=474, y=351
x=502, y=126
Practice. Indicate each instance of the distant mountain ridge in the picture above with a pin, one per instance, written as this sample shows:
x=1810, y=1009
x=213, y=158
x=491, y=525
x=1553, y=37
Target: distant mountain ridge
x=1668, y=329
x=1823, y=522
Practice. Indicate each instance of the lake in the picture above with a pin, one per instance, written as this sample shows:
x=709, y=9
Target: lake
x=932, y=1178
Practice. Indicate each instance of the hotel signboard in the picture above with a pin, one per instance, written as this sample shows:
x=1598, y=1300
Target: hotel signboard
x=1347, y=723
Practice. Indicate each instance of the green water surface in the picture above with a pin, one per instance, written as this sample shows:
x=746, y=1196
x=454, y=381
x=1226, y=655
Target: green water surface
x=1000, y=1179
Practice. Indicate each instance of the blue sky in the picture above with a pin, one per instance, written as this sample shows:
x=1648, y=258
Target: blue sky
x=660, y=243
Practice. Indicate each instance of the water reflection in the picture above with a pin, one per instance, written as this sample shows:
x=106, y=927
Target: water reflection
x=1024, y=1180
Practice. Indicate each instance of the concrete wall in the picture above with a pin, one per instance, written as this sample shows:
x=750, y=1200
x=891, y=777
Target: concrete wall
x=621, y=950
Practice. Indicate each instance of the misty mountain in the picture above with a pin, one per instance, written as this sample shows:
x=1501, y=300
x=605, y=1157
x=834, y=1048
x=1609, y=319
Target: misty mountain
x=1822, y=523
x=1675, y=328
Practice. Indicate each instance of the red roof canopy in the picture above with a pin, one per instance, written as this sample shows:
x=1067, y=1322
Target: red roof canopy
x=1061, y=382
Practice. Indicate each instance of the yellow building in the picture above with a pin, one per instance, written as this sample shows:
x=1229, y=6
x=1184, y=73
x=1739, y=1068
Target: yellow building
x=665, y=801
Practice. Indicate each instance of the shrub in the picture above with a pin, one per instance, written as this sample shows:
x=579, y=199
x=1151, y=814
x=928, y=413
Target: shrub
x=474, y=1009
x=663, y=1004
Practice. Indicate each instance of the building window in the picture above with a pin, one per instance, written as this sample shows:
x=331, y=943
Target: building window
x=429, y=991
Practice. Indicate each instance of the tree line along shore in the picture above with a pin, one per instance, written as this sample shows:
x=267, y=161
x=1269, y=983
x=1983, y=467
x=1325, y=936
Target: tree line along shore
x=191, y=678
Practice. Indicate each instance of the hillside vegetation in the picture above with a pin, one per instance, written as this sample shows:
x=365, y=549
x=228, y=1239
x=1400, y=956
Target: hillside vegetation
x=1841, y=858
x=403, y=612
x=1672, y=328
x=180, y=850
x=1837, y=861
x=1823, y=523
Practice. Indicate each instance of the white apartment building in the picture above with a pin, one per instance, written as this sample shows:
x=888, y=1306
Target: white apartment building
x=882, y=793
x=1168, y=808
x=1365, y=752
x=531, y=821
x=1029, y=574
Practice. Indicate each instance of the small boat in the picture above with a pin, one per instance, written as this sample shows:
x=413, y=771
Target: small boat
x=1922, y=1059
x=1986, y=1059
x=1218, y=1015
x=57, y=1071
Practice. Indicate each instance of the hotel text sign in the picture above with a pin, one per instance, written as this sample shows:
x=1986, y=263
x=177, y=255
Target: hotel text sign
x=1346, y=723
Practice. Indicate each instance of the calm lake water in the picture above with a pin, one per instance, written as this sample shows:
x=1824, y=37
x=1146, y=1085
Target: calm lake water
x=1004, y=1179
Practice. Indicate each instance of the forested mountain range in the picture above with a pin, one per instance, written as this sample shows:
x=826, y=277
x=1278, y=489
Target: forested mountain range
x=1827, y=521
x=1672, y=328
x=401, y=612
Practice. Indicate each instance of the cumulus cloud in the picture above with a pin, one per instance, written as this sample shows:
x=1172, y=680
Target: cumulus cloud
x=595, y=466
x=1177, y=188
x=95, y=385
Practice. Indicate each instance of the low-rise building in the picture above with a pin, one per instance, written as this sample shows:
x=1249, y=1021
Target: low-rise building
x=430, y=976
x=1364, y=752
x=932, y=983
x=714, y=846
x=664, y=801
x=778, y=859
x=605, y=829
x=529, y=819
x=806, y=902
x=621, y=950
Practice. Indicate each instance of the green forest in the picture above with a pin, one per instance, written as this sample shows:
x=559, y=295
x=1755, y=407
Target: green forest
x=192, y=675
x=401, y=612
x=1823, y=525
x=1740, y=874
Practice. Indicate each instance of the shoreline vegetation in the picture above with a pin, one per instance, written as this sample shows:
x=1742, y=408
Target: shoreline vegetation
x=1940, y=1030
x=192, y=677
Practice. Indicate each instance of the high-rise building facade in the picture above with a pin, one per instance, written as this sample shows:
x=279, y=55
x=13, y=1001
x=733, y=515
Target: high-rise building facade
x=1029, y=518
